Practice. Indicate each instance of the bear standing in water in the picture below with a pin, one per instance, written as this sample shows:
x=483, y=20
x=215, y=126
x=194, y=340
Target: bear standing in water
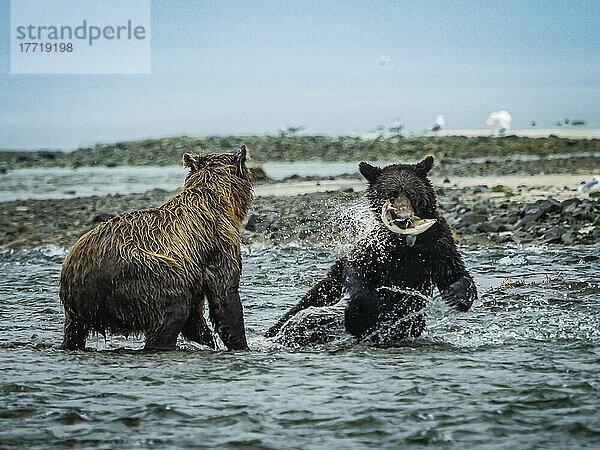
x=149, y=272
x=387, y=277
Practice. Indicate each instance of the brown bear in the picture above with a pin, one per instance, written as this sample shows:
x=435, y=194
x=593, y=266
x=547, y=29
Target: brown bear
x=149, y=272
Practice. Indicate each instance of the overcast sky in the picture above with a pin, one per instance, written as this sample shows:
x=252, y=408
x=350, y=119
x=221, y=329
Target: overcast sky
x=248, y=67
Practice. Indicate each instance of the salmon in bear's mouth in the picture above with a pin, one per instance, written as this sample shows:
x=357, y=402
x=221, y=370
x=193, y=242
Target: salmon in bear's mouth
x=411, y=228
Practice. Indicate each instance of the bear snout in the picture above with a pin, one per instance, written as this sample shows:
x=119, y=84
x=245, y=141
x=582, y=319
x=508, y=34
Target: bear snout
x=401, y=211
x=402, y=218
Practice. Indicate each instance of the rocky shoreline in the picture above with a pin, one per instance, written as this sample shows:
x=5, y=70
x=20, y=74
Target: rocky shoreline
x=476, y=216
x=455, y=155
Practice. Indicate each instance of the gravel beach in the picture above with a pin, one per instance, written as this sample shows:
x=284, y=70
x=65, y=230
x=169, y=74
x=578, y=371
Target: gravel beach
x=480, y=214
x=492, y=190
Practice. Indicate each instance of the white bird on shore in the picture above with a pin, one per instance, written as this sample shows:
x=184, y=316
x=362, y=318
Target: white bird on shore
x=439, y=123
x=592, y=185
x=396, y=127
x=500, y=122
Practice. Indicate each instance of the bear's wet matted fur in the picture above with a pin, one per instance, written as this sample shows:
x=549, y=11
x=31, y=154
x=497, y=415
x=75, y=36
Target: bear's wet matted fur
x=150, y=272
x=388, y=277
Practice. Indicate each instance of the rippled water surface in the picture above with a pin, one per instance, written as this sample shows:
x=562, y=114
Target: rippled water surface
x=60, y=182
x=520, y=369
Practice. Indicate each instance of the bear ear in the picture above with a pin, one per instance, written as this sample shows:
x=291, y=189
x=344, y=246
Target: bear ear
x=424, y=166
x=242, y=154
x=191, y=160
x=369, y=172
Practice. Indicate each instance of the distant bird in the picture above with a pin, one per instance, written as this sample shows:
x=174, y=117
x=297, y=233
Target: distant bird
x=384, y=60
x=592, y=185
x=289, y=130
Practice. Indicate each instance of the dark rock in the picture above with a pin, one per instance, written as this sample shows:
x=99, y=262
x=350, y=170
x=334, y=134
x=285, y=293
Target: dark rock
x=349, y=189
x=471, y=219
x=261, y=223
x=498, y=220
x=553, y=236
x=471, y=229
x=582, y=212
x=483, y=206
x=528, y=208
x=568, y=237
x=549, y=205
x=259, y=174
x=569, y=205
x=512, y=217
x=452, y=219
x=486, y=227
x=11, y=228
x=531, y=215
x=102, y=217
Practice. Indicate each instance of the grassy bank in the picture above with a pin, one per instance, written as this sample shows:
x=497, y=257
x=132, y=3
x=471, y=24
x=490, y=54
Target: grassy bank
x=168, y=151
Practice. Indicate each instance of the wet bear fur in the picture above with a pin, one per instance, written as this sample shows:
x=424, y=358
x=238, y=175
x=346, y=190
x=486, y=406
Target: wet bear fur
x=385, y=281
x=152, y=272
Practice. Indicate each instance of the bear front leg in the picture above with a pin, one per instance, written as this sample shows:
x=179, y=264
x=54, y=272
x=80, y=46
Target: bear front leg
x=461, y=294
x=225, y=308
x=362, y=311
x=452, y=279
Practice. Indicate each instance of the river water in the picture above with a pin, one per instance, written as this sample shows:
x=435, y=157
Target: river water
x=519, y=370
x=60, y=182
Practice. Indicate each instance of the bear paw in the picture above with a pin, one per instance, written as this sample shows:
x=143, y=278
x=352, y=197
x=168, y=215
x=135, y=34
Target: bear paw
x=461, y=294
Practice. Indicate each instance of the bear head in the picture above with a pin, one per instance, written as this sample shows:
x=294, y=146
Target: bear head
x=224, y=174
x=401, y=196
x=222, y=163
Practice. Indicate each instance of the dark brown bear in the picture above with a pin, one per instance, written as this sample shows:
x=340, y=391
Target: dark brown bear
x=149, y=272
x=387, y=278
